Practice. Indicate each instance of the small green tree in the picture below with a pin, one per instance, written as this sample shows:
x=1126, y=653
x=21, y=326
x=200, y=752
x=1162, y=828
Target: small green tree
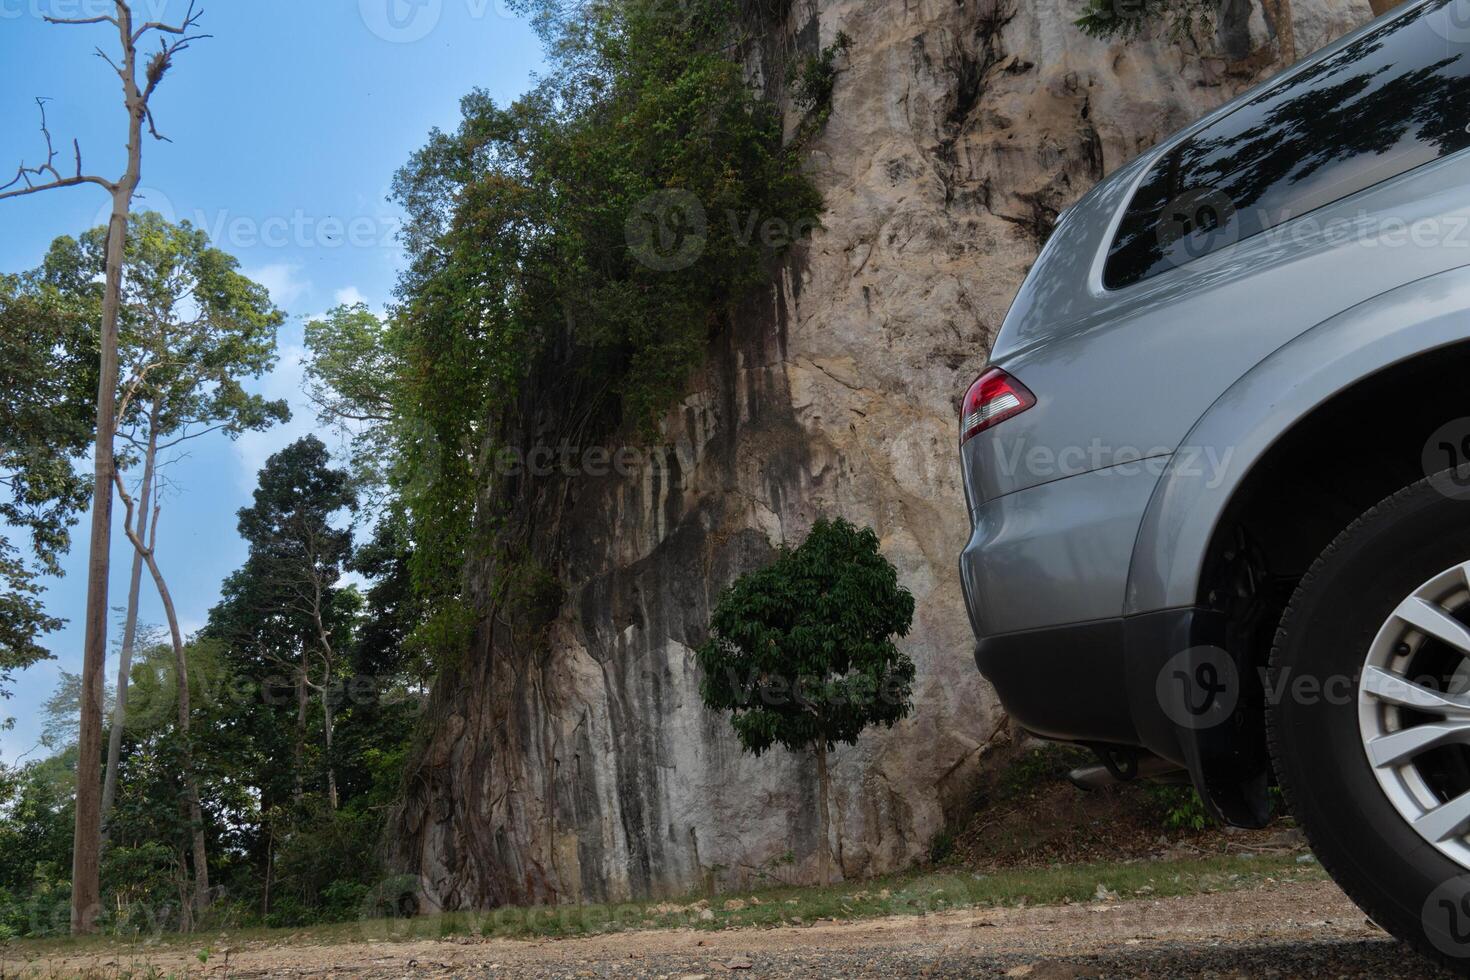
x=801, y=652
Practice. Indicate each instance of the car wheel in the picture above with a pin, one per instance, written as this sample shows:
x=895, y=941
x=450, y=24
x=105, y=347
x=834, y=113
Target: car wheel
x=1369, y=719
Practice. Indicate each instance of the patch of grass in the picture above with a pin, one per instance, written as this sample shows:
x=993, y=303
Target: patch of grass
x=910, y=894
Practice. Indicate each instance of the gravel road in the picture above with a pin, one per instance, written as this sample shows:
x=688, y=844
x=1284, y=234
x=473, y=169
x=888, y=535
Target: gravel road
x=1281, y=930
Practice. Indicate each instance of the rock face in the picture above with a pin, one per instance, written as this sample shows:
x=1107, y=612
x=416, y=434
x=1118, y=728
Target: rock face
x=591, y=771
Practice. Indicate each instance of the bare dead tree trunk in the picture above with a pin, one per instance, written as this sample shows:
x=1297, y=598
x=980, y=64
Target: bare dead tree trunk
x=86, y=836
x=130, y=627
x=823, y=784
x=86, y=833
x=181, y=671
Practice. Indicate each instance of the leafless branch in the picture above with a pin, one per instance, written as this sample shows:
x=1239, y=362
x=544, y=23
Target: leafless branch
x=191, y=18
x=81, y=21
x=23, y=174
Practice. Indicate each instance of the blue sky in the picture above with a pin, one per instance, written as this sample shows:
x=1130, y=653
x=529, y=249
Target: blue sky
x=287, y=127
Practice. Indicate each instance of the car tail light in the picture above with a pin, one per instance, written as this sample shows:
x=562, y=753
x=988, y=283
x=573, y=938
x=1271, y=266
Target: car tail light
x=994, y=397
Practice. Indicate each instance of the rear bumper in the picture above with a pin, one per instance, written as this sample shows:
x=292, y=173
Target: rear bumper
x=1063, y=682
x=1045, y=575
x=1111, y=683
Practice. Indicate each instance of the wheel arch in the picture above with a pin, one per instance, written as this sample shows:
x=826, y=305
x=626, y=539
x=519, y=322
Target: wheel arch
x=1271, y=425
x=1315, y=435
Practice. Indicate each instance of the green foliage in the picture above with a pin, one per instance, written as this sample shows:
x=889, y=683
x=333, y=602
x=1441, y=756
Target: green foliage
x=801, y=652
x=1127, y=18
x=571, y=255
x=817, y=76
x=139, y=880
x=531, y=595
x=295, y=546
x=192, y=328
x=61, y=714
x=48, y=371
x=326, y=865
x=1179, y=807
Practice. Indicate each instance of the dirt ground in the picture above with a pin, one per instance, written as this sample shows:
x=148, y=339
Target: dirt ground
x=1284, y=929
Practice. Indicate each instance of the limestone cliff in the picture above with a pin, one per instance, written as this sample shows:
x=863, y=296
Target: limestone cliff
x=958, y=130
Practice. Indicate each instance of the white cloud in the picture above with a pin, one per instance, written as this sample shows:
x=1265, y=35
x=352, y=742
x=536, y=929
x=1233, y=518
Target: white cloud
x=350, y=296
x=283, y=280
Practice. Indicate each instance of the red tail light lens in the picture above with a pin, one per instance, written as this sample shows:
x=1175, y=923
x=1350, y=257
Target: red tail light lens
x=994, y=397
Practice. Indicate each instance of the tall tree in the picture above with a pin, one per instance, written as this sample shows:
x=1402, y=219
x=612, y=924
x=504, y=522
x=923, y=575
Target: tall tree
x=137, y=98
x=352, y=377
x=801, y=652
x=192, y=328
x=297, y=554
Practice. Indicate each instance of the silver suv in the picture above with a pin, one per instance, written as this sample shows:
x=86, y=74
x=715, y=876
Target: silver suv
x=1217, y=470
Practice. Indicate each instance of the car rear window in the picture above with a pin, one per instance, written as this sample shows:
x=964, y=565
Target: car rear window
x=1392, y=100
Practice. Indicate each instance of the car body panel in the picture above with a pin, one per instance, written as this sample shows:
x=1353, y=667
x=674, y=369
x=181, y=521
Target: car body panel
x=1056, y=553
x=1268, y=402
x=1260, y=293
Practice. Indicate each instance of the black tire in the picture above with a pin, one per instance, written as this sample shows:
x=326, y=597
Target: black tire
x=1368, y=847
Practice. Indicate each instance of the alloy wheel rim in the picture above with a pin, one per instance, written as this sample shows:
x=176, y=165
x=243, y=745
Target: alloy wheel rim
x=1414, y=711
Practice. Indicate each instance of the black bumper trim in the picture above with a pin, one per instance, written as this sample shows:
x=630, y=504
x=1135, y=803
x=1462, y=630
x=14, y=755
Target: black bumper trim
x=1098, y=682
x=1063, y=682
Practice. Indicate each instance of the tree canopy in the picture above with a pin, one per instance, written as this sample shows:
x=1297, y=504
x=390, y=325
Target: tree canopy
x=802, y=651
x=48, y=371
x=570, y=256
